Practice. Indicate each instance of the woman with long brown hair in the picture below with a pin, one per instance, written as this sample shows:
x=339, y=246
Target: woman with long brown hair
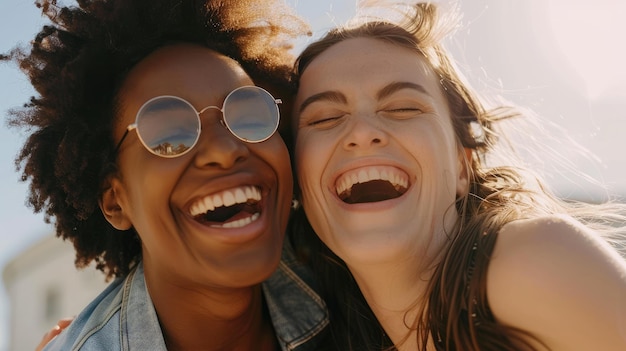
x=419, y=242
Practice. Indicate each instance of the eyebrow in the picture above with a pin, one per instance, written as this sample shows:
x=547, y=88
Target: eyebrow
x=396, y=86
x=335, y=96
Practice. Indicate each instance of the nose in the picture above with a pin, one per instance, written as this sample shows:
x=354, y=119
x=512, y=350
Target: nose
x=365, y=132
x=217, y=147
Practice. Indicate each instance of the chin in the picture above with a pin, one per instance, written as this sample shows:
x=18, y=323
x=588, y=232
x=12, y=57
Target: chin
x=262, y=264
x=366, y=248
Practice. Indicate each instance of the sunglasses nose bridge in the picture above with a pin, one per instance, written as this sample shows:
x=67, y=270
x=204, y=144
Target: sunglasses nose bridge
x=221, y=117
x=210, y=108
x=217, y=146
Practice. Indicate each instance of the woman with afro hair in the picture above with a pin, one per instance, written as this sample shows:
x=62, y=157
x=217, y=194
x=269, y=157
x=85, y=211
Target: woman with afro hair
x=152, y=148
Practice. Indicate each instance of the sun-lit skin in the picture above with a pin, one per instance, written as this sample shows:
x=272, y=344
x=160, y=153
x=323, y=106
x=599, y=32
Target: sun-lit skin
x=212, y=270
x=366, y=107
x=369, y=109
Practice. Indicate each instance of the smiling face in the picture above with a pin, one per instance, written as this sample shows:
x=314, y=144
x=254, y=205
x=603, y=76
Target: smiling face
x=215, y=216
x=376, y=155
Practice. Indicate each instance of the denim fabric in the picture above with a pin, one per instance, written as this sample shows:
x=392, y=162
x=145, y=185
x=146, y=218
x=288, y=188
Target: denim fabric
x=122, y=317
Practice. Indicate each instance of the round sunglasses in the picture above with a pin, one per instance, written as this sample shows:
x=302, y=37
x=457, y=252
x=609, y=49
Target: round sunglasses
x=169, y=126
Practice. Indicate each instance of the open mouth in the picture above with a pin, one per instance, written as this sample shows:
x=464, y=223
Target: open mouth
x=371, y=184
x=233, y=208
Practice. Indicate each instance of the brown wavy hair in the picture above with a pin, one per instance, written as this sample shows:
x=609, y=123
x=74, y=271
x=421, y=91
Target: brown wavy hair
x=455, y=313
x=77, y=63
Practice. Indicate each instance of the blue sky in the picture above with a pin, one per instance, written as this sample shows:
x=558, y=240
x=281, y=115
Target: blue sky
x=560, y=58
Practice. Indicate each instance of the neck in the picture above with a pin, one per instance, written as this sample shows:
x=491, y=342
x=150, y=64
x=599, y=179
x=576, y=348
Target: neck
x=211, y=319
x=395, y=295
x=396, y=291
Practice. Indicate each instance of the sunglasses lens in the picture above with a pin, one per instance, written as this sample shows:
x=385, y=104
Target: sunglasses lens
x=251, y=114
x=168, y=126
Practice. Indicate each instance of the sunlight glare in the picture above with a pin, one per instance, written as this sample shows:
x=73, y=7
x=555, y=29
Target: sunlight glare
x=589, y=36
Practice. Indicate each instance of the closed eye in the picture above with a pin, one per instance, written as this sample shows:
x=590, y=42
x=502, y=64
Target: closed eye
x=402, y=112
x=325, y=122
x=405, y=109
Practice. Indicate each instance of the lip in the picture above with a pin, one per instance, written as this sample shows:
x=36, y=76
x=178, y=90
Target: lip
x=234, y=236
x=242, y=234
x=237, y=195
x=369, y=162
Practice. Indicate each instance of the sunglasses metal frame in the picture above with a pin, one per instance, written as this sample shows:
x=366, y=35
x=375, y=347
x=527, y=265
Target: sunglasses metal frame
x=223, y=121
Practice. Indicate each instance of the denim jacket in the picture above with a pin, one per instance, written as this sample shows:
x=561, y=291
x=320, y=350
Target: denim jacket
x=122, y=317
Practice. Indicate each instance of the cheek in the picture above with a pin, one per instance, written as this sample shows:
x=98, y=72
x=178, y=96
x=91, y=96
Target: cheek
x=432, y=139
x=150, y=191
x=313, y=153
x=277, y=156
x=149, y=180
x=275, y=153
x=437, y=157
x=309, y=160
x=285, y=174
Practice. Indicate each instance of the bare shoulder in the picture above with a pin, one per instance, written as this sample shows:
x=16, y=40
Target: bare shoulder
x=549, y=240
x=561, y=281
x=558, y=232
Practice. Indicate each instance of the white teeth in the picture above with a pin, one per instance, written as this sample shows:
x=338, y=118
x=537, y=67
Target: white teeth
x=229, y=198
x=240, y=196
x=238, y=223
x=393, y=175
x=225, y=198
x=375, y=173
x=218, y=201
x=249, y=192
x=363, y=176
x=384, y=175
x=210, y=206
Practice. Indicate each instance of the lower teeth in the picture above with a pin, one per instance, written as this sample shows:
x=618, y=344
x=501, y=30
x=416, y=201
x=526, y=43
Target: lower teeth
x=238, y=223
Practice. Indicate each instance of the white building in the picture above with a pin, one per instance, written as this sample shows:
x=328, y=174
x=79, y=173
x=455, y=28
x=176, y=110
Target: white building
x=43, y=286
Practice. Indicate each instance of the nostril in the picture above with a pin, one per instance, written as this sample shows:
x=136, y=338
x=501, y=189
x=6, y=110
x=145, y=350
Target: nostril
x=376, y=141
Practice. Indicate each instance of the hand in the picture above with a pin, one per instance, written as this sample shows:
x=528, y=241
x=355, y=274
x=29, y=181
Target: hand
x=61, y=324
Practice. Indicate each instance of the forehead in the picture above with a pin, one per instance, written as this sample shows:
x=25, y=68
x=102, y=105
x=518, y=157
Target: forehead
x=366, y=62
x=193, y=72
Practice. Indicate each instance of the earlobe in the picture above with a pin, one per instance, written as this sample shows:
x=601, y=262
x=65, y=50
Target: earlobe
x=109, y=203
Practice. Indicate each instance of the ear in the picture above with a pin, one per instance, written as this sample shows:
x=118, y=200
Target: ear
x=464, y=168
x=109, y=203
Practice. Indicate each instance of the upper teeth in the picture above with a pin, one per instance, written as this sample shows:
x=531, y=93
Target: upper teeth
x=364, y=175
x=225, y=198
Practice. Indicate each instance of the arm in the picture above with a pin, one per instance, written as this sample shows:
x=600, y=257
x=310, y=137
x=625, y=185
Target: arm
x=560, y=281
x=56, y=330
